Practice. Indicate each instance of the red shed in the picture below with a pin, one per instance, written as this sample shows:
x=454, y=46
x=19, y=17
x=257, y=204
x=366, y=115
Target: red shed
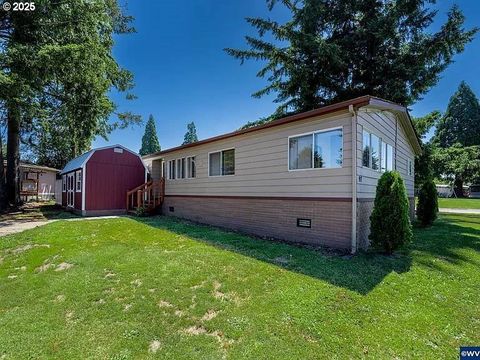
x=96, y=183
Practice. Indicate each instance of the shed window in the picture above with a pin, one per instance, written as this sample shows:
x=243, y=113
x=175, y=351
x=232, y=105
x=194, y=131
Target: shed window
x=321, y=149
x=78, y=181
x=64, y=183
x=221, y=163
x=191, y=167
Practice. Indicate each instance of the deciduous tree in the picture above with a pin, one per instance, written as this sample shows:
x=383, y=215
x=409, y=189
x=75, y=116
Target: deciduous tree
x=57, y=72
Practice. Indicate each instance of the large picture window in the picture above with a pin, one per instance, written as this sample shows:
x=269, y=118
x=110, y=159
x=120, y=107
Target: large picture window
x=221, y=163
x=323, y=149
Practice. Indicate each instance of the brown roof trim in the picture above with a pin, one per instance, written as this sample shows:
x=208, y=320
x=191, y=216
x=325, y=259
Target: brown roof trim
x=344, y=105
x=292, y=198
x=33, y=166
x=357, y=102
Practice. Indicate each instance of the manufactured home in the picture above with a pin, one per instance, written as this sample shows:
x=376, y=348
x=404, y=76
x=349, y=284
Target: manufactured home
x=294, y=178
x=36, y=182
x=96, y=183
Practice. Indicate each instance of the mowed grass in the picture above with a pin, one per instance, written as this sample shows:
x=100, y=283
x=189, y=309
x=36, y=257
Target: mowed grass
x=164, y=288
x=453, y=203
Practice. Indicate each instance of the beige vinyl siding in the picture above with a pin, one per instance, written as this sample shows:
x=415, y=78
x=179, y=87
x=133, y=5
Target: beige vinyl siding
x=383, y=124
x=261, y=164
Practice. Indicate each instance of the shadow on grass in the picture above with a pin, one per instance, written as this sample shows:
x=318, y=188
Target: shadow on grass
x=360, y=273
x=36, y=212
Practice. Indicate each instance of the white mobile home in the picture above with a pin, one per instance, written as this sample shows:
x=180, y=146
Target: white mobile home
x=294, y=178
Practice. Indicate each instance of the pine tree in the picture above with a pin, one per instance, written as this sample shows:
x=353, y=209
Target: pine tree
x=191, y=134
x=336, y=50
x=150, y=142
x=461, y=122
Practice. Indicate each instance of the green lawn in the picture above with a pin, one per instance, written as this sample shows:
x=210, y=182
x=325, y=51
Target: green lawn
x=158, y=287
x=459, y=203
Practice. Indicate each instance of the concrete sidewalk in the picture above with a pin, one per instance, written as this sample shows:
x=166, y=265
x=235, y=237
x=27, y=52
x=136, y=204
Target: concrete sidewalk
x=459, y=211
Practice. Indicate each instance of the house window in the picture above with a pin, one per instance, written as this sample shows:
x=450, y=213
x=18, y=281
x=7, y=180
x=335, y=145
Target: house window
x=181, y=168
x=191, y=167
x=410, y=167
x=323, y=149
x=171, y=170
x=376, y=155
x=79, y=181
x=221, y=163
x=387, y=157
x=64, y=183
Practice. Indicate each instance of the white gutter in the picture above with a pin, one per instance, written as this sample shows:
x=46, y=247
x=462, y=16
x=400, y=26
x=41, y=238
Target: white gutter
x=352, y=111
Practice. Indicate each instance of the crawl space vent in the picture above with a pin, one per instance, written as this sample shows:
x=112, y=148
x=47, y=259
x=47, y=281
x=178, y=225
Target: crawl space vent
x=305, y=223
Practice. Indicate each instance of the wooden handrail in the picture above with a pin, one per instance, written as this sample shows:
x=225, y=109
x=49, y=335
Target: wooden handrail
x=139, y=187
x=146, y=193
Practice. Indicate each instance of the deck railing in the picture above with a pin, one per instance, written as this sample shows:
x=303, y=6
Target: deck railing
x=148, y=196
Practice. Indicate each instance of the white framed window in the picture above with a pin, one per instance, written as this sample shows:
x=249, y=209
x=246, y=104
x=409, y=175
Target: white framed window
x=78, y=176
x=410, y=167
x=180, y=168
x=376, y=154
x=387, y=157
x=64, y=183
x=171, y=170
x=221, y=163
x=317, y=150
x=191, y=167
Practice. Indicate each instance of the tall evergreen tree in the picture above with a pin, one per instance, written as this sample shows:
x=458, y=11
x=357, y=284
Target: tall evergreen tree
x=191, y=134
x=461, y=122
x=333, y=50
x=150, y=142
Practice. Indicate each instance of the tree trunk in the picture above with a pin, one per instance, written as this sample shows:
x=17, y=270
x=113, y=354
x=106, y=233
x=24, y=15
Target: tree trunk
x=3, y=188
x=458, y=186
x=13, y=155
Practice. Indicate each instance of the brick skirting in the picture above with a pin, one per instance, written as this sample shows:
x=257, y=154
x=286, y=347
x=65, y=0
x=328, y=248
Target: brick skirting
x=272, y=218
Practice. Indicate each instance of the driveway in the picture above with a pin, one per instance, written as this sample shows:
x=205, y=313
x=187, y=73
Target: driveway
x=8, y=227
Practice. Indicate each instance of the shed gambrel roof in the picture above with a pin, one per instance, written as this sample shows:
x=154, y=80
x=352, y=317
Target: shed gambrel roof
x=81, y=160
x=77, y=163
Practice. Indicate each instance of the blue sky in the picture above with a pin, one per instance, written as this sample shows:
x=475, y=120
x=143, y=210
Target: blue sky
x=182, y=73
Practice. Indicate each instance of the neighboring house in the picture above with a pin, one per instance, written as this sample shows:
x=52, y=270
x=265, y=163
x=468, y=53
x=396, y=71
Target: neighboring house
x=36, y=182
x=294, y=178
x=96, y=183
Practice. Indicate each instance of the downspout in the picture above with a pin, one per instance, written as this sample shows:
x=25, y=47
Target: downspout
x=352, y=111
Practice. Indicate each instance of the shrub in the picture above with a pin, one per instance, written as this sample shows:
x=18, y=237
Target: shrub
x=141, y=211
x=427, y=207
x=390, y=225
